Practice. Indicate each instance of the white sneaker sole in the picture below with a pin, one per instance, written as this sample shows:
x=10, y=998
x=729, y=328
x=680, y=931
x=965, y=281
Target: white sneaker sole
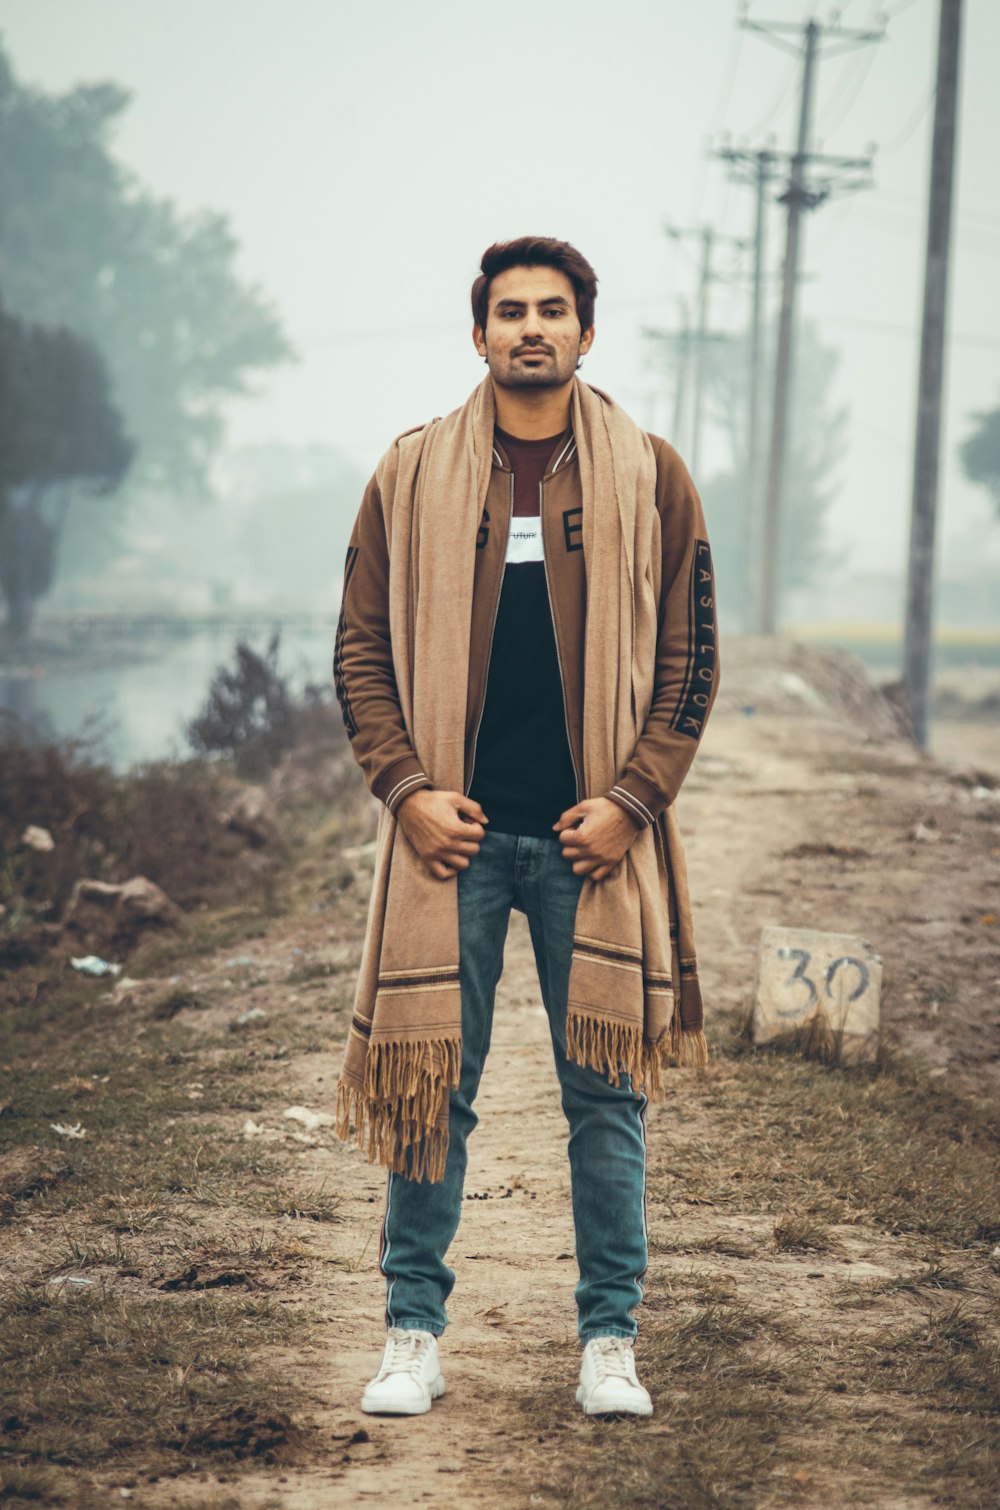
x=375, y=1407
x=626, y=1403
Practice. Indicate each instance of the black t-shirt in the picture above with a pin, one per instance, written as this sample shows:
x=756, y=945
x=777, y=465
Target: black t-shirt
x=523, y=774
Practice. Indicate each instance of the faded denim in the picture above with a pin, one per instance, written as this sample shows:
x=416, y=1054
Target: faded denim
x=606, y=1124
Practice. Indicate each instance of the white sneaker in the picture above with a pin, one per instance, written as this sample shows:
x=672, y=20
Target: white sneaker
x=409, y=1378
x=607, y=1379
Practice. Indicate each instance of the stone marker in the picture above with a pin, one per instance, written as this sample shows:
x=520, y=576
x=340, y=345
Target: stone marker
x=805, y=976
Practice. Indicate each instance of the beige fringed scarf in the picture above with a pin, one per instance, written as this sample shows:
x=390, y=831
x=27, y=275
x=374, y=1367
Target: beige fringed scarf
x=628, y=1010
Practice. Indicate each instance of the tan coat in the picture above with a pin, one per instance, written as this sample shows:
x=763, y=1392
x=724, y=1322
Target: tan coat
x=687, y=666
x=635, y=633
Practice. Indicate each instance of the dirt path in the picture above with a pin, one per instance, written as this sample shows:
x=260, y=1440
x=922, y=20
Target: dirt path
x=786, y=822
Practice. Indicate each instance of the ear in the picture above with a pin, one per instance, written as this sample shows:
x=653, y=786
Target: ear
x=479, y=339
x=586, y=340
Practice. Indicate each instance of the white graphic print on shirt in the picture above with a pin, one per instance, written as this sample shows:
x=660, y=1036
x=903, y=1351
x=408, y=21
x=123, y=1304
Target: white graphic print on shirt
x=524, y=543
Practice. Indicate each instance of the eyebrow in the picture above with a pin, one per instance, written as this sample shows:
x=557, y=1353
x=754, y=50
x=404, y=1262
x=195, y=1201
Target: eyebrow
x=519, y=303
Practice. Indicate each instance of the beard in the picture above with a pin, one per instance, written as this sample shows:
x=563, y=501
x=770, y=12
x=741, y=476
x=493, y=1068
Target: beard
x=511, y=372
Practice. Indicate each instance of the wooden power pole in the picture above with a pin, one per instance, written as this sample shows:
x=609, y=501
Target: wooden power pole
x=926, y=460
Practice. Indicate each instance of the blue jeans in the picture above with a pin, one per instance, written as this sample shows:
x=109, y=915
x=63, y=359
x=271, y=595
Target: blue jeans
x=607, y=1124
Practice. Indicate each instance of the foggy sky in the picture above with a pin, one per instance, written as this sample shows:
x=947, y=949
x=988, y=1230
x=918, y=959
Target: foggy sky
x=366, y=154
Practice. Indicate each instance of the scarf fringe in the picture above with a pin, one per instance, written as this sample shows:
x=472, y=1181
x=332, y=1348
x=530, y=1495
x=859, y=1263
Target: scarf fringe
x=396, y=1112
x=688, y=1046
x=619, y=1048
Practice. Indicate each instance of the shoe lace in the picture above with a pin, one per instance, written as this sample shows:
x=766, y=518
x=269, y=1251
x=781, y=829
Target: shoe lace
x=403, y=1353
x=613, y=1359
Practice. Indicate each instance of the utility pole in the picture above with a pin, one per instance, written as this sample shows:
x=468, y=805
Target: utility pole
x=798, y=196
x=926, y=468
x=680, y=392
x=705, y=278
x=702, y=336
x=764, y=169
x=794, y=197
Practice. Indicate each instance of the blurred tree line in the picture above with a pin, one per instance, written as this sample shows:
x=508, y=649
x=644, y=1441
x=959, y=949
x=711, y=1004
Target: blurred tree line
x=980, y=454
x=123, y=328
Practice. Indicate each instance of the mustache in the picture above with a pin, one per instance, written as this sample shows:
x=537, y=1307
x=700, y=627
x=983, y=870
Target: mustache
x=534, y=347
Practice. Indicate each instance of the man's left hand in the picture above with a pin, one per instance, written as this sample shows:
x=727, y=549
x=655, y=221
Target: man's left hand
x=598, y=843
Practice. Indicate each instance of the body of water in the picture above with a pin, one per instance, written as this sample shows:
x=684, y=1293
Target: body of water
x=137, y=698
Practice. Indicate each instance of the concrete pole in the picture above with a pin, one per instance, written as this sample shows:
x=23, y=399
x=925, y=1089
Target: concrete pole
x=751, y=531
x=681, y=368
x=700, y=353
x=795, y=197
x=926, y=469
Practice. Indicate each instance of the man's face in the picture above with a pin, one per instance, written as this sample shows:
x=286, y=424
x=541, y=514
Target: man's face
x=532, y=337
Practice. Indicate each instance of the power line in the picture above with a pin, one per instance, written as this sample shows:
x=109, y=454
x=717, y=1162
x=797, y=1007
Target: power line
x=866, y=61
x=722, y=101
x=806, y=190
x=911, y=125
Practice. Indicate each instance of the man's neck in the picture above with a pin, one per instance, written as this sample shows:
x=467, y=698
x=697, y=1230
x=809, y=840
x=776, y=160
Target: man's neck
x=533, y=414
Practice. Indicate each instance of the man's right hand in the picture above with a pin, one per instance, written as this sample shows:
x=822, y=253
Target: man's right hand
x=445, y=829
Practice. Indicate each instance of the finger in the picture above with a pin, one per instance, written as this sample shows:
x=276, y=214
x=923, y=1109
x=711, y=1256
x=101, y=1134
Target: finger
x=601, y=872
x=455, y=860
x=573, y=844
x=468, y=829
x=570, y=816
x=471, y=807
x=461, y=846
x=583, y=867
x=440, y=871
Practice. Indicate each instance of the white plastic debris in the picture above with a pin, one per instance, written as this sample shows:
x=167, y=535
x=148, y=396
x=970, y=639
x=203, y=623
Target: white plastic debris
x=76, y=1131
x=310, y=1120
x=38, y=838
x=252, y=1129
x=92, y=964
x=252, y=1014
x=76, y=1280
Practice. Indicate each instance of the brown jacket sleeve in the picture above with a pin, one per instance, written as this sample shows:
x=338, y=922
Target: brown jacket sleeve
x=363, y=672
x=686, y=677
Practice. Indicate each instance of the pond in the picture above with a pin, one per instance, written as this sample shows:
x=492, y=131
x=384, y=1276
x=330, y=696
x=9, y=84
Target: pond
x=136, y=696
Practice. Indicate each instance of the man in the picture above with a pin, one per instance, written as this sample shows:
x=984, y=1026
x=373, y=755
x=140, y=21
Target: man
x=525, y=660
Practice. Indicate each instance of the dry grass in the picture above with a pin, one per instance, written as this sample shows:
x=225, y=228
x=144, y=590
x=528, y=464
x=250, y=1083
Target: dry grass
x=768, y=1405
x=134, y=1342
x=884, y=1144
x=795, y=1233
x=728, y=1397
x=95, y=1379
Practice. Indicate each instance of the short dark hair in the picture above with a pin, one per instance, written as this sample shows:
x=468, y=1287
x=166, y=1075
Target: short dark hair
x=536, y=251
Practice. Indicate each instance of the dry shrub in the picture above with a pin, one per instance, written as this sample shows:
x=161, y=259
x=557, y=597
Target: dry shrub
x=160, y=820
x=249, y=713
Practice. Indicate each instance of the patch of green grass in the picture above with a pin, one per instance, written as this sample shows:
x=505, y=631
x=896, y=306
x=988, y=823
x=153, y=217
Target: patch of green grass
x=201, y=933
x=319, y=970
